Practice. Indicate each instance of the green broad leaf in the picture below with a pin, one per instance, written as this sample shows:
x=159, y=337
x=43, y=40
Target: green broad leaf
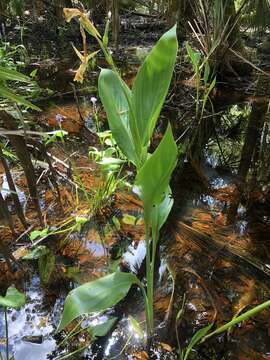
x=152, y=83
x=46, y=265
x=9, y=95
x=129, y=219
x=136, y=327
x=113, y=93
x=110, y=163
x=8, y=74
x=153, y=178
x=195, y=339
x=33, y=73
x=38, y=233
x=36, y=253
x=81, y=220
x=14, y=299
x=97, y=295
x=161, y=212
x=101, y=329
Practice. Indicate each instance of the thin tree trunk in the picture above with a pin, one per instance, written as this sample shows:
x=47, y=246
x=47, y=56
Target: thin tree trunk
x=255, y=124
x=18, y=142
x=12, y=187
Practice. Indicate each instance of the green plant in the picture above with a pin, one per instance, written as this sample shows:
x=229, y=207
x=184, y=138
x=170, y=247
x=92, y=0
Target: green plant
x=220, y=23
x=202, y=77
x=132, y=116
x=13, y=299
x=7, y=74
x=203, y=334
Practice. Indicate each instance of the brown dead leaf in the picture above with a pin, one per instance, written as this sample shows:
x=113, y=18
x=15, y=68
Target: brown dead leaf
x=166, y=347
x=20, y=252
x=140, y=355
x=246, y=298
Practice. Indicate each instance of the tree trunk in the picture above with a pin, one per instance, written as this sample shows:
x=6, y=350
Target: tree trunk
x=113, y=7
x=253, y=132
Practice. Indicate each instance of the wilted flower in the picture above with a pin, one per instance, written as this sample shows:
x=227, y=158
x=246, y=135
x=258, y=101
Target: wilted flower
x=71, y=13
x=84, y=63
x=84, y=20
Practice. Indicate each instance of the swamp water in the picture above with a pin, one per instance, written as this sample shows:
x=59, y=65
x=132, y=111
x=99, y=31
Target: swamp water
x=219, y=264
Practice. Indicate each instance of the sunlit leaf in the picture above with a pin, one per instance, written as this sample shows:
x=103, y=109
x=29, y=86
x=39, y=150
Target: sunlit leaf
x=152, y=83
x=8, y=74
x=101, y=329
x=136, y=327
x=129, y=219
x=81, y=220
x=96, y=295
x=54, y=135
x=113, y=93
x=33, y=73
x=9, y=95
x=14, y=299
x=161, y=212
x=153, y=178
x=38, y=233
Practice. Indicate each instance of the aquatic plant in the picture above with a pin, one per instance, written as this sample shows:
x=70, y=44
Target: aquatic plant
x=203, y=334
x=132, y=116
x=202, y=73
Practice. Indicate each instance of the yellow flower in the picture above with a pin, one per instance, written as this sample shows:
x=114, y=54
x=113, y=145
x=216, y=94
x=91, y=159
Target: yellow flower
x=79, y=76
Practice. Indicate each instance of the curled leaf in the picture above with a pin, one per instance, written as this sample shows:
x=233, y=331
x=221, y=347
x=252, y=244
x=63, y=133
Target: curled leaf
x=89, y=26
x=70, y=13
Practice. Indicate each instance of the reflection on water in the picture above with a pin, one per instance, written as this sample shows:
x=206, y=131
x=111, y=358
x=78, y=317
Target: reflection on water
x=30, y=327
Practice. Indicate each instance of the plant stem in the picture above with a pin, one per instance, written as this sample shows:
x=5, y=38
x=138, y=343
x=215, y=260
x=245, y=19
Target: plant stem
x=7, y=343
x=149, y=278
x=73, y=353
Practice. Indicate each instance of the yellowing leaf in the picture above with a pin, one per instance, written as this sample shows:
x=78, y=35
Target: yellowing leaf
x=129, y=219
x=166, y=347
x=89, y=26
